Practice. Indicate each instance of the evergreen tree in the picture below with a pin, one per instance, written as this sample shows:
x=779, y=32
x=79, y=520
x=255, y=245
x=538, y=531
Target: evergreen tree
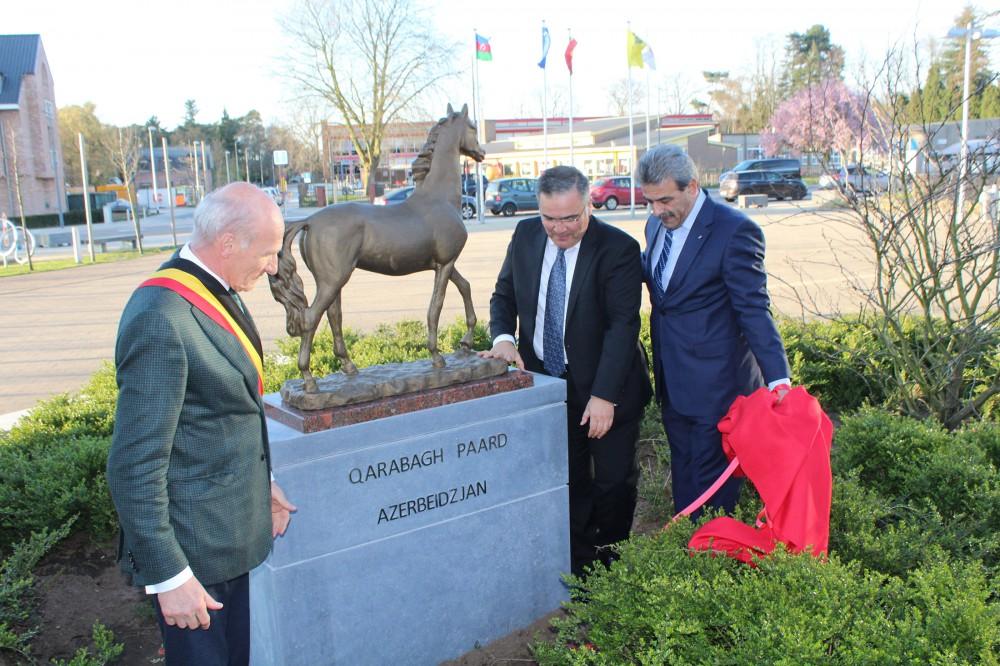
x=810, y=58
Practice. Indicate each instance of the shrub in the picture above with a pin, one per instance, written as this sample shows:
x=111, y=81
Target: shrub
x=52, y=465
x=836, y=361
x=903, y=485
x=16, y=582
x=660, y=604
x=106, y=651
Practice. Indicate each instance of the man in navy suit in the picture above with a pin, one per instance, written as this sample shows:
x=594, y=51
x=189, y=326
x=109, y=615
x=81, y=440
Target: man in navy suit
x=713, y=335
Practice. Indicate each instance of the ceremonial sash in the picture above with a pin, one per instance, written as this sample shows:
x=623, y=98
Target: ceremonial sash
x=194, y=292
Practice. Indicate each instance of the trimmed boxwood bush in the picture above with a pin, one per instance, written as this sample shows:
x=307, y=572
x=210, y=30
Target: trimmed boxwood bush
x=660, y=604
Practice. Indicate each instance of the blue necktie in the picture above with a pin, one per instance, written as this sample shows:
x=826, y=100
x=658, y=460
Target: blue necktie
x=661, y=263
x=555, y=304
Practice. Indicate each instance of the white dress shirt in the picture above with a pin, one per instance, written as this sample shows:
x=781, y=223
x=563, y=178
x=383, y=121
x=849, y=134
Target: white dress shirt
x=548, y=260
x=680, y=236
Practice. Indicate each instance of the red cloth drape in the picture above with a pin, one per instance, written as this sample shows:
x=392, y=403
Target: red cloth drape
x=784, y=450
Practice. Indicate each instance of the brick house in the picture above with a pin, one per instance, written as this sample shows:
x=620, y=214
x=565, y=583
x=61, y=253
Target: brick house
x=28, y=112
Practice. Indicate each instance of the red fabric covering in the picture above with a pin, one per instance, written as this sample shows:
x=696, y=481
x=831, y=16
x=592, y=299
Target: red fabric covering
x=784, y=449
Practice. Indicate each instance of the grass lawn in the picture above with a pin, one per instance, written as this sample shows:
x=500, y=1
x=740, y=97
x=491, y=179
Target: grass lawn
x=42, y=265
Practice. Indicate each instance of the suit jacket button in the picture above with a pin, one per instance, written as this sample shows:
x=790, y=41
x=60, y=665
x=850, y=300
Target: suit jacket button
x=262, y=456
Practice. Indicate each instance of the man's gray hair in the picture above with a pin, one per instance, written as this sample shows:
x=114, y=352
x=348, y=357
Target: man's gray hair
x=221, y=212
x=667, y=161
x=563, y=178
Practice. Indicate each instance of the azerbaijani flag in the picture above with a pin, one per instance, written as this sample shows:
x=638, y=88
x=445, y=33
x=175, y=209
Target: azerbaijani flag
x=569, y=55
x=483, y=51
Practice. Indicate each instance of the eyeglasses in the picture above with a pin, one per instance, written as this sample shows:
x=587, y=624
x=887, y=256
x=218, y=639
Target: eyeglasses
x=569, y=219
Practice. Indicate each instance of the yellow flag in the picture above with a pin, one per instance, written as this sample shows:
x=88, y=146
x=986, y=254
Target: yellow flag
x=634, y=47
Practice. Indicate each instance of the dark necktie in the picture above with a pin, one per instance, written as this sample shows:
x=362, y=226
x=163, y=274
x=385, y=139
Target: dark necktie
x=239, y=301
x=661, y=263
x=555, y=303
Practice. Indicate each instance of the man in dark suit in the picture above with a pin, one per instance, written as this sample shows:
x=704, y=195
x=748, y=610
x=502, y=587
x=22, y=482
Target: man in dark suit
x=713, y=335
x=189, y=466
x=571, y=286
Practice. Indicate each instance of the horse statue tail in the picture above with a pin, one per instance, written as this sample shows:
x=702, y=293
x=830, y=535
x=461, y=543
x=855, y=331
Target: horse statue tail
x=286, y=285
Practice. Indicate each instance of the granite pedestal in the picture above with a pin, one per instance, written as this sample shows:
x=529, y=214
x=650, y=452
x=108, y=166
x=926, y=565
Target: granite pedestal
x=419, y=535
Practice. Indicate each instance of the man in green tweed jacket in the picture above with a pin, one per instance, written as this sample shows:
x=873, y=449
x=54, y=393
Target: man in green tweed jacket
x=189, y=467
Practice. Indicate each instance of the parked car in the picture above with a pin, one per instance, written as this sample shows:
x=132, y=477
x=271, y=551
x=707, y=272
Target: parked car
x=402, y=194
x=861, y=180
x=275, y=194
x=613, y=192
x=770, y=183
x=510, y=195
x=789, y=168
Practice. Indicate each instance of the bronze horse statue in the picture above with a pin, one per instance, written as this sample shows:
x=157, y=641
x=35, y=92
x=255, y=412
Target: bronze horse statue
x=425, y=232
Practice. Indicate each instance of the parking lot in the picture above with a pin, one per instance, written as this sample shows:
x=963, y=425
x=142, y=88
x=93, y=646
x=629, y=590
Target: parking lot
x=60, y=326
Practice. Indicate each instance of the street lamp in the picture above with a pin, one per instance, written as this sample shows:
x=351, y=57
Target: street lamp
x=228, y=179
x=969, y=33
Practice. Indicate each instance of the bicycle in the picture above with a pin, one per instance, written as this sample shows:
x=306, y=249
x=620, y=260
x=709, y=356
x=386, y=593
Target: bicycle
x=15, y=242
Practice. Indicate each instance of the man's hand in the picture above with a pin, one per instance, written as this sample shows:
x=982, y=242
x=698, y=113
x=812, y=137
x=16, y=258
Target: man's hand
x=781, y=392
x=601, y=414
x=281, y=510
x=505, y=351
x=187, y=606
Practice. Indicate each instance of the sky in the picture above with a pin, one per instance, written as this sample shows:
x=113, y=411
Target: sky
x=136, y=59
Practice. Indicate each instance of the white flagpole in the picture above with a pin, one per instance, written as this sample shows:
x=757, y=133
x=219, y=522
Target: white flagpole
x=545, y=108
x=477, y=105
x=647, y=109
x=631, y=138
x=571, y=162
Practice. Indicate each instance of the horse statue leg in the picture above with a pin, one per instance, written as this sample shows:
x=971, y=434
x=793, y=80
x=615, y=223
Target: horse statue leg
x=326, y=294
x=470, y=312
x=441, y=275
x=336, y=318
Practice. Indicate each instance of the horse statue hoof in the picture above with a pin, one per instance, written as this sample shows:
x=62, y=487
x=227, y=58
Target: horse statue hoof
x=437, y=361
x=310, y=385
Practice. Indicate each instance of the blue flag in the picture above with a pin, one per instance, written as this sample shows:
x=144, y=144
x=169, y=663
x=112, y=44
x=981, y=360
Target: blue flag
x=545, y=46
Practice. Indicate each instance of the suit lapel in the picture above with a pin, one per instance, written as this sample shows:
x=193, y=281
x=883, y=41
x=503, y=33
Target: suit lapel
x=584, y=262
x=230, y=348
x=700, y=231
x=534, y=255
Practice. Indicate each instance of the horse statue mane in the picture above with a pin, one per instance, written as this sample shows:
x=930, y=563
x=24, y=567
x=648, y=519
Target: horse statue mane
x=422, y=164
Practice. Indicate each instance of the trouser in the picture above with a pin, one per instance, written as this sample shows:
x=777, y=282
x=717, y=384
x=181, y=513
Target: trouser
x=697, y=460
x=226, y=642
x=602, y=488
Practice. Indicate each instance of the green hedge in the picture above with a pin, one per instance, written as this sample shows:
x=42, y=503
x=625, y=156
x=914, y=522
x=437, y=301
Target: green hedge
x=660, y=604
x=70, y=218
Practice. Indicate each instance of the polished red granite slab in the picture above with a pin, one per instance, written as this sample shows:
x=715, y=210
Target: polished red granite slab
x=334, y=417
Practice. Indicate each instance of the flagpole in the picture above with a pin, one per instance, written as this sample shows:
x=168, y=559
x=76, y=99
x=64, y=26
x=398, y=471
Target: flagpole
x=571, y=161
x=545, y=104
x=647, y=109
x=477, y=105
x=631, y=138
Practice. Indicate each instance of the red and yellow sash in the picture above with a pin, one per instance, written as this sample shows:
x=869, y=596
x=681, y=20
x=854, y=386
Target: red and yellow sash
x=195, y=293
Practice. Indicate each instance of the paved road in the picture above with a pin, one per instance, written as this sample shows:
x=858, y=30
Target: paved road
x=58, y=327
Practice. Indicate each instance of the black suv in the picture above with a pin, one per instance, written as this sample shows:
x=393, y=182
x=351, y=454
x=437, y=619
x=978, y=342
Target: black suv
x=770, y=183
x=786, y=167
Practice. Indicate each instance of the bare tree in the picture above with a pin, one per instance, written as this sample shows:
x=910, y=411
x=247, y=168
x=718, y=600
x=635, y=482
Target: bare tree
x=10, y=135
x=371, y=60
x=675, y=94
x=618, y=96
x=122, y=144
x=929, y=290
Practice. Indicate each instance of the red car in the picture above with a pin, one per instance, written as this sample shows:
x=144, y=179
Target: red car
x=613, y=192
